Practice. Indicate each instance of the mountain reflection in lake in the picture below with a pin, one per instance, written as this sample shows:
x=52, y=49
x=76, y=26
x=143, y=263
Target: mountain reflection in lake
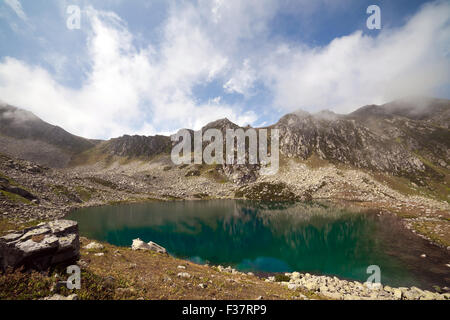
x=258, y=237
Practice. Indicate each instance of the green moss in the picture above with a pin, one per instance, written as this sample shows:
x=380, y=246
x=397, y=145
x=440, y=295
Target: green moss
x=426, y=230
x=15, y=197
x=85, y=194
x=13, y=182
x=282, y=278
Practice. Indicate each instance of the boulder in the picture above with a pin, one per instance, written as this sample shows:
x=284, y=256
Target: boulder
x=156, y=247
x=184, y=275
x=398, y=294
x=58, y=297
x=94, y=246
x=40, y=247
x=138, y=244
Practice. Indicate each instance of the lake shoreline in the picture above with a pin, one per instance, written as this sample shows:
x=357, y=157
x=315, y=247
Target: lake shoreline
x=437, y=254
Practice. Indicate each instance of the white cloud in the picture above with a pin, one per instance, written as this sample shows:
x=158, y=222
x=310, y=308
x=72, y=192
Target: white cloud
x=356, y=70
x=150, y=90
x=128, y=90
x=242, y=80
x=17, y=7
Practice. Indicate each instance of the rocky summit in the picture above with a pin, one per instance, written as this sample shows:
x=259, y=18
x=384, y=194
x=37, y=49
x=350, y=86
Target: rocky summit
x=40, y=247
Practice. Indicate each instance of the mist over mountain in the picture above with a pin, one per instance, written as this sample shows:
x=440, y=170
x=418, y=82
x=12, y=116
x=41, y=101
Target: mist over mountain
x=24, y=135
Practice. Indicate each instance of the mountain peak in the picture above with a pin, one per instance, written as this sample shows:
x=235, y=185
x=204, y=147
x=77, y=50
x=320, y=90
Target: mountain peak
x=221, y=124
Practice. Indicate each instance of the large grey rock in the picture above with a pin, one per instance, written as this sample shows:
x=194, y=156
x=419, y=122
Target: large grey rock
x=138, y=244
x=41, y=247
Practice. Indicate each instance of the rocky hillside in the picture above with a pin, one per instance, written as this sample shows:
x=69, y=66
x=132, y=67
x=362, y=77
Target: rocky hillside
x=396, y=138
x=408, y=138
x=24, y=135
x=136, y=146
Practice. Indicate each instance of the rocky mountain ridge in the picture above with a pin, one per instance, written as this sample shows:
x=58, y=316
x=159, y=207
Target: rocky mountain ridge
x=407, y=138
x=24, y=135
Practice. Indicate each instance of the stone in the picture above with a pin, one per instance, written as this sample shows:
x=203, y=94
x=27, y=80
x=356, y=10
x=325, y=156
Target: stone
x=181, y=267
x=334, y=295
x=60, y=297
x=82, y=263
x=184, y=275
x=156, y=247
x=94, y=246
x=100, y=254
x=427, y=295
x=323, y=289
x=293, y=286
x=311, y=285
x=109, y=282
x=295, y=275
x=138, y=244
x=398, y=294
x=41, y=247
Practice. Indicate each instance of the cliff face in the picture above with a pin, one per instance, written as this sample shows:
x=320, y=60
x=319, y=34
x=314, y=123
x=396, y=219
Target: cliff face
x=137, y=146
x=392, y=138
x=408, y=137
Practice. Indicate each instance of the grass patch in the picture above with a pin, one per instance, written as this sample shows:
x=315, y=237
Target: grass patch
x=85, y=194
x=8, y=225
x=15, y=197
x=103, y=182
x=427, y=228
x=64, y=191
x=282, y=278
x=433, y=189
x=17, y=285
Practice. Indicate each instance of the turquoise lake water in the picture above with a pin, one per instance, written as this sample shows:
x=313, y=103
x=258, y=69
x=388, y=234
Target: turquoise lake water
x=280, y=237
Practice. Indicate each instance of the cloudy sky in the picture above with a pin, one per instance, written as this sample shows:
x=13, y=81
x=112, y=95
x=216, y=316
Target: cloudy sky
x=147, y=67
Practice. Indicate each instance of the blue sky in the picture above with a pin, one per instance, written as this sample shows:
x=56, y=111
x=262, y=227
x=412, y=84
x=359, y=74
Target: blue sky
x=147, y=67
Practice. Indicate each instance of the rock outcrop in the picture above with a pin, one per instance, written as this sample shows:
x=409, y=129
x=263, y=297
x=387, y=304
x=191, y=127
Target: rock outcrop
x=6, y=185
x=41, y=247
x=137, y=146
x=138, y=244
x=337, y=289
